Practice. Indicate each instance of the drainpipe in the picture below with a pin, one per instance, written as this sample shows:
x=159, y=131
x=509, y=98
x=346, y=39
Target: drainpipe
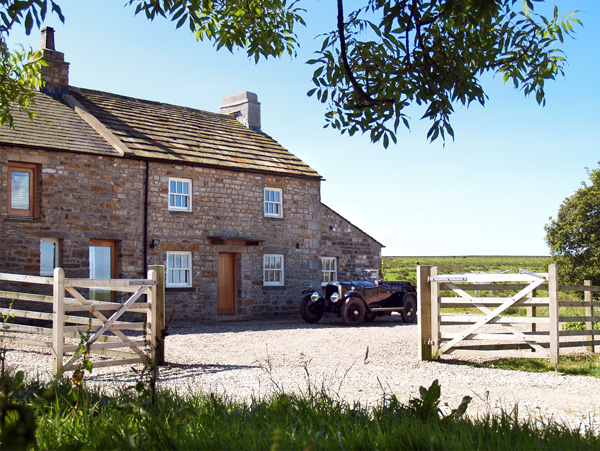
x=145, y=243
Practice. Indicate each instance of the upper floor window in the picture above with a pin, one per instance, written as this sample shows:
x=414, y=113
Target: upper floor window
x=273, y=202
x=180, y=194
x=179, y=269
x=328, y=270
x=273, y=270
x=22, y=189
x=48, y=256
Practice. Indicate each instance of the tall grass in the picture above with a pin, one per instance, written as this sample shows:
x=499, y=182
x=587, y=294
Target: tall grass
x=574, y=365
x=90, y=419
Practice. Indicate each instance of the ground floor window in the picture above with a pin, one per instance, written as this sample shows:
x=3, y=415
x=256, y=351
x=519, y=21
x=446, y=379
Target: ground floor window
x=328, y=270
x=273, y=270
x=48, y=256
x=179, y=269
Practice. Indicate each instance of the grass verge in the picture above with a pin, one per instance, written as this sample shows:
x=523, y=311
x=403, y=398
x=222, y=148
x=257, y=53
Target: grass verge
x=68, y=418
x=575, y=365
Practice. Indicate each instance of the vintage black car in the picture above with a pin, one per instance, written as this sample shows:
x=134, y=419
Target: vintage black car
x=360, y=300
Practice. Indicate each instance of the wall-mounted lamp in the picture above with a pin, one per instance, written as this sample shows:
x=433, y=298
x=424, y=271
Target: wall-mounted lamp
x=154, y=243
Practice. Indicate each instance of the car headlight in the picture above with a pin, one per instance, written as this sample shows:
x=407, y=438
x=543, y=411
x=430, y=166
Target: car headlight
x=315, y=296
x=334, y=297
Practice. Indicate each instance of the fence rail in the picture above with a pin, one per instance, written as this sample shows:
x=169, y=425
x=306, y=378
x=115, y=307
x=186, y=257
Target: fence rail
x=95, y=325
x=491, y=331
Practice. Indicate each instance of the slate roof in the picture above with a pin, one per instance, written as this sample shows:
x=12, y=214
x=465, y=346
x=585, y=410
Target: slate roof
x=54, y=127
x=153, y=130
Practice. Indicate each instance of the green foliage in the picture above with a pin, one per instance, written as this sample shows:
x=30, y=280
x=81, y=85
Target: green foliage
x=575, y=365
x=381, y=58
x=83, y=351
x=17, y=81
x=578, y=325
x=263, y=28
x=574, y=236
x=19, y=74
x=427, y=407
x=285, y=421
x=17, y=420
x=387, y=56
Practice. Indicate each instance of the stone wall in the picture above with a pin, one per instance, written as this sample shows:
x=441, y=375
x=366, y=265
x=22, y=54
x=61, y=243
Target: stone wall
x=227, y=207
x=80, y=198
x=356, y=252
x=85, y=197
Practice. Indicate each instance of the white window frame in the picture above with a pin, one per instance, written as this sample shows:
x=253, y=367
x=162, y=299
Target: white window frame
x=180, y=268
x=273, y=208
x=326, y=263
x=56, y=255
x=273, y=273
x=175, y=194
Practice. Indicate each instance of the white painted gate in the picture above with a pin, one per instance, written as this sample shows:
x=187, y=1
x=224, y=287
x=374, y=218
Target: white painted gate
x=490, y=331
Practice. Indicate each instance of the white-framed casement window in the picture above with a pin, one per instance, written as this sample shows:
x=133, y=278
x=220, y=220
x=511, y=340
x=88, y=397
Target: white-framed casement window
x=328, y=270
x=180, y=194
x=273, y=274
x=273, y=203
x=48, y=256
x=179, y=269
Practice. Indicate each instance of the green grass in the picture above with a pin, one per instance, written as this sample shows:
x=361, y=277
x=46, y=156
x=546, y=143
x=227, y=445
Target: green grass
x=575, y=365
x=405, y=268
x=68, y=419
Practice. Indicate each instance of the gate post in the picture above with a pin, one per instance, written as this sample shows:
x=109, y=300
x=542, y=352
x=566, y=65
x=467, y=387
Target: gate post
x=428, y=313
x=553, y=314
x=58, y=320
x=158, y=314
x=589, y=311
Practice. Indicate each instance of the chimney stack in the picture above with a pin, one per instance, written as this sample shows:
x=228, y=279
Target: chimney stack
x=55, y=75
x=245, y=107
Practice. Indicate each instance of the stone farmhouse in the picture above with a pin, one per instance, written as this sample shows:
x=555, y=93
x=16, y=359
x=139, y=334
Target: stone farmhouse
x=104, y=185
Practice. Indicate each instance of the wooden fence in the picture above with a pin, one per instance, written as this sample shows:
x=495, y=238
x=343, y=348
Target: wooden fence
x=79, y=323
x=496, y=331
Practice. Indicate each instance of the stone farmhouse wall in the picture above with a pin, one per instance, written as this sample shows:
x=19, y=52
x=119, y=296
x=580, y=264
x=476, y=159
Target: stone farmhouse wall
x=80, y=198
x=356, y=252
x=95, y=197
x=229, y=206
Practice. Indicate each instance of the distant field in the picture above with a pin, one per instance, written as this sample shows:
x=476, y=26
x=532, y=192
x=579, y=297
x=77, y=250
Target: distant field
x=405, y=268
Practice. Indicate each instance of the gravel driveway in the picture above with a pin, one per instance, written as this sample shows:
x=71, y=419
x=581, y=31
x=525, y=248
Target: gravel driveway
x=255, y=359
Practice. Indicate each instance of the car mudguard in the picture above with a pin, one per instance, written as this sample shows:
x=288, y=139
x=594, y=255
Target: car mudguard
x=356, y=294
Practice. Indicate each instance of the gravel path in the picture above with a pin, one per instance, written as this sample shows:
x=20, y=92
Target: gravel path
x=255, y=359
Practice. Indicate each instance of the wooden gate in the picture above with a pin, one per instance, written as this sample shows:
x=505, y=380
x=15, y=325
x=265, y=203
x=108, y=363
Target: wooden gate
x=97, y=326
x=487, y=332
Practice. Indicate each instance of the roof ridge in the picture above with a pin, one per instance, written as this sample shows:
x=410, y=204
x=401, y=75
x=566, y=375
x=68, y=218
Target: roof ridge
x=144, y=101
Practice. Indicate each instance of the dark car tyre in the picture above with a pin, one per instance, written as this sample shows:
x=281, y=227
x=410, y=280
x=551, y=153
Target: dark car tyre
x=310, y=312
x=410, y=308
x=370, y=317
x=353, y=312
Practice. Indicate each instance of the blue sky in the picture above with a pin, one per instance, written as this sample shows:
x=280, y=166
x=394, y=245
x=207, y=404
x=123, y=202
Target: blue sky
x=488, y=192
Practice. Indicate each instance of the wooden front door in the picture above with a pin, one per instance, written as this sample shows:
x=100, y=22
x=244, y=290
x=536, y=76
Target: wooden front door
x=227, y=289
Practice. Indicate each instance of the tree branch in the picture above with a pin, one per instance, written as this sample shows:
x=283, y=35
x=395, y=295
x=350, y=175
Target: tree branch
x=367, y=100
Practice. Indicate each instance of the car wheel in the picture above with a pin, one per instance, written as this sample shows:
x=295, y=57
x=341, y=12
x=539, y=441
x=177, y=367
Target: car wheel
x=353, y=312
x=310, y=311
x=409, y=314
x=370, y=317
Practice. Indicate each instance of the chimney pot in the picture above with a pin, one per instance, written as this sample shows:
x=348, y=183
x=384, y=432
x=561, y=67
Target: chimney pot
x=47, y=38
x=245, y=107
